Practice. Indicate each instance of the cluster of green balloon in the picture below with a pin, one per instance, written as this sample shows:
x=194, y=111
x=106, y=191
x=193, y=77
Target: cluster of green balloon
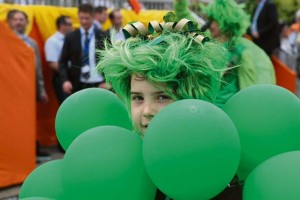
x=36, y=198
x=191, y=150
x=101, y=161
x=105, y=162
x=44, y=181
x=87, y=109
x=267, y=119
x=277, y=178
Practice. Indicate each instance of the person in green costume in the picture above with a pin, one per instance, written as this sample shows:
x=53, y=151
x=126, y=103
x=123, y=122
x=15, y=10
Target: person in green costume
x=228, y=23
x=167, y=62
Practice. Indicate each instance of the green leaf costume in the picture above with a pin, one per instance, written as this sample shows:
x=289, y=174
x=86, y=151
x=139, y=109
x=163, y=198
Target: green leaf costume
x=254, y=66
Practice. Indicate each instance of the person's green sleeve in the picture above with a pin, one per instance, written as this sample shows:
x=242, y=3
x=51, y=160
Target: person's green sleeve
x=228, y=89
x=247, y=70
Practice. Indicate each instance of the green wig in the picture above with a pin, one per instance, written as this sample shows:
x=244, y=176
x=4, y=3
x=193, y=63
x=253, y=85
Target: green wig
x=232, y=19
x=190, y=69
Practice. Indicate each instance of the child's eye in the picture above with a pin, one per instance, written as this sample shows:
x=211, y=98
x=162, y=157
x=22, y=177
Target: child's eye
x=163, y=97
x=137, y=98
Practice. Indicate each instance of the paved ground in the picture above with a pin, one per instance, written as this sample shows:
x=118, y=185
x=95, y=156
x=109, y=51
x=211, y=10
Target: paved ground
x=11, y=193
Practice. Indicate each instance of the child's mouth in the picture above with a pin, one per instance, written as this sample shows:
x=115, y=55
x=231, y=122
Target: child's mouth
x=145, y=126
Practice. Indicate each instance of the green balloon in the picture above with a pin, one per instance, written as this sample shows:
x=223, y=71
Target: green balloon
x=44, y=181
x=106, y=163
x=267, y=118
x=36, y=198
x=191, y=150
x=87, y=109
x=277, y=178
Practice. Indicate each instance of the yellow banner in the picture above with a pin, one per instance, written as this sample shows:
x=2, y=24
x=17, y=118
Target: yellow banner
x=45, y=16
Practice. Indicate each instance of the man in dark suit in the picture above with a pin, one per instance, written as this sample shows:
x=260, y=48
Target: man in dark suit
x=79, y=59
x=265, y=27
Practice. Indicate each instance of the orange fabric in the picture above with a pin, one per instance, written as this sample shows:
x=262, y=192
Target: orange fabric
x=17, y=106
x=136, y=6
x=285, y=77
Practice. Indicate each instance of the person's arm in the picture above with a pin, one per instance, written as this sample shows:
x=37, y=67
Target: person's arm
x=247, y=70
x=273, y=21
x=41, y=92
x=182, y=10
x=51, y=54
x=53, y=65
x=63, y=66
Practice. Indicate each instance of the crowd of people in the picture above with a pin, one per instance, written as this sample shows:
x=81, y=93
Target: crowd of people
x=70, y=54
x=150, y=74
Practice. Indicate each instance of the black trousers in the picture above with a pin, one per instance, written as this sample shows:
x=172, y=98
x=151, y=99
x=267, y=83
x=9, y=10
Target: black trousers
x=57, y=85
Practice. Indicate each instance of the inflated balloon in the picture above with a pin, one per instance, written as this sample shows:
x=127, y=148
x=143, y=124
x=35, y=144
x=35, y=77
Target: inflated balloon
x=106, y=163
x=191, y=150
x=36, y=198
x=267, y=118
x=87, y=109
x=44, y=181
x=277, y=178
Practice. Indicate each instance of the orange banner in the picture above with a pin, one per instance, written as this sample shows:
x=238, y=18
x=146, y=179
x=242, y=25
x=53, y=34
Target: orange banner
x=17, y=108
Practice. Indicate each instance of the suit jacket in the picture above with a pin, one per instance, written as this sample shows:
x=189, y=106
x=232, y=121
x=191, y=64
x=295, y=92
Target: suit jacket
x=71, y=57
x=268, y=28
x=40, y=88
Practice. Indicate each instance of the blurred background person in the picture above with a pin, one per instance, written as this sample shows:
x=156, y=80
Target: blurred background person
x=296, y=26
x=77, y=65
x=18, y=21
x=116, y=33
x=265, y=26
x=53, y=48
x=100, y=16
x=296, y=31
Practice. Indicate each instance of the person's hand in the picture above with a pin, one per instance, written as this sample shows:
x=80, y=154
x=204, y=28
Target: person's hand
x=104, y=86
x=44, y=98
x=255, y=35
x=67, y=87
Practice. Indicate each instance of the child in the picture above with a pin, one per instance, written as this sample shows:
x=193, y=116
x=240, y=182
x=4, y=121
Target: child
x=152, y=70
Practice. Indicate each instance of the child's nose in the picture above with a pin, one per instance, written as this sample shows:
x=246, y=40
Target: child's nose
x=149, y=110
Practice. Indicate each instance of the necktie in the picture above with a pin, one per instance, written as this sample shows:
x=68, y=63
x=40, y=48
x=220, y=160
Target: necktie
x=86, y=49
x=85, y=69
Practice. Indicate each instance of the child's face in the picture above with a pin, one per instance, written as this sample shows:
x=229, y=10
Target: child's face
x=146, y=100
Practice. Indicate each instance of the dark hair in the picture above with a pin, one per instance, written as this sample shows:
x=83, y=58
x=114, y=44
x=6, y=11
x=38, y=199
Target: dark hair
x=61, y=20
x=86, y=8
x=112, y=14
x=100, y=9
x=11, y=14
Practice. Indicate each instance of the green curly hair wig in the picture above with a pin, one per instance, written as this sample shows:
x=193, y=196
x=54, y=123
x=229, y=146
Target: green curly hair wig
x=190, y=69
x=232, y=19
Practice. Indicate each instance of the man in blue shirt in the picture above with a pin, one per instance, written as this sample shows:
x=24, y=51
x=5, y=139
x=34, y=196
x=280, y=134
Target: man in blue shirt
x=53, y=47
